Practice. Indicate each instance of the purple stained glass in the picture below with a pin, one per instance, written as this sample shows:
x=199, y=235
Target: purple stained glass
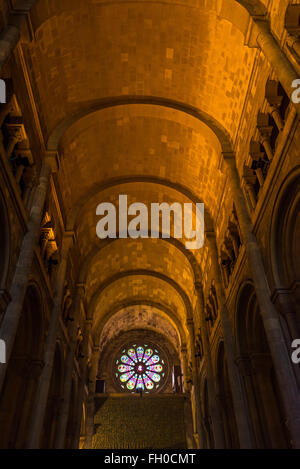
x=140, y=383
x=154, y=376
x=140, y=353
x=125, y=359
x=149, y=352
x=124, y=368
x=131, y=384
x=125, y=377
x=153, y=360
x=140, y=369
x=155, y=368
x=132, y=354
x=148, y=383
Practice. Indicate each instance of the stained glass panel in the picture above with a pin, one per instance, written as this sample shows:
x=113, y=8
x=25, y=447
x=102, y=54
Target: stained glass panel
x=153, y=360
x=141, y=368
x=126, y=376
x=124, y=368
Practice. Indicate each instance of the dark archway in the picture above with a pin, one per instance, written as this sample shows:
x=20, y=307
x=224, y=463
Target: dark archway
x=225, y=396
x=54, y=399
x=286, y=233
x=285, y=251
x=17, y=397
x=71, y=425
x=208, y=436
x=261, y=388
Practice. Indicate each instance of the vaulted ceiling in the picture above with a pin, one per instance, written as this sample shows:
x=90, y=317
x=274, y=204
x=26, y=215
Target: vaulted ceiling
x=137, y=96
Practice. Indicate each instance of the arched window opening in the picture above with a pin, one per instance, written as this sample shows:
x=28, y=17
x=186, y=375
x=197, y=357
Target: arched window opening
x=140, y=368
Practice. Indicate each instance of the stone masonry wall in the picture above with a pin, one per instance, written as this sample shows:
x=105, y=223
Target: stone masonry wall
x=130, y=422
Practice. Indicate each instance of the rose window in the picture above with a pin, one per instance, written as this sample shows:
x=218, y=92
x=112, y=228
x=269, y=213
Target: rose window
x=140, y=368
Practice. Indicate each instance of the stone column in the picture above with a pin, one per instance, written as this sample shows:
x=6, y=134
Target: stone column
x=277, y=59
x=239, y=403
x=16, y=135
x=30, y=182
x=281, y=359
x=261, y=369
x=18, y=289
x=260, y=177
x=41, y=398
x=251, y=193
x=65, y=407
x=81, y=387
x=213, y=401
x=274, y=112
x=91, y=400
x=188, y=420
x=186, y=375
x=199, y=417
x=265, y=141
x=246, y=373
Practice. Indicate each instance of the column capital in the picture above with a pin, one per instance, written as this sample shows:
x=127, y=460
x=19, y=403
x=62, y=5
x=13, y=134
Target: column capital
x=68, y=240
x=80, y=287
x=16, y=132
x=258, y=25
x=291, y=40
x=263, y=23
x=281, y=293
x=52, y=159
x=184, y=350
x=190, y=322
x=210, y=234
x=229, y=155
x=69, y=237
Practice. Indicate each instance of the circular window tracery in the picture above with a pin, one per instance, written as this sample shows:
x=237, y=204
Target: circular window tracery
x=140, y=368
